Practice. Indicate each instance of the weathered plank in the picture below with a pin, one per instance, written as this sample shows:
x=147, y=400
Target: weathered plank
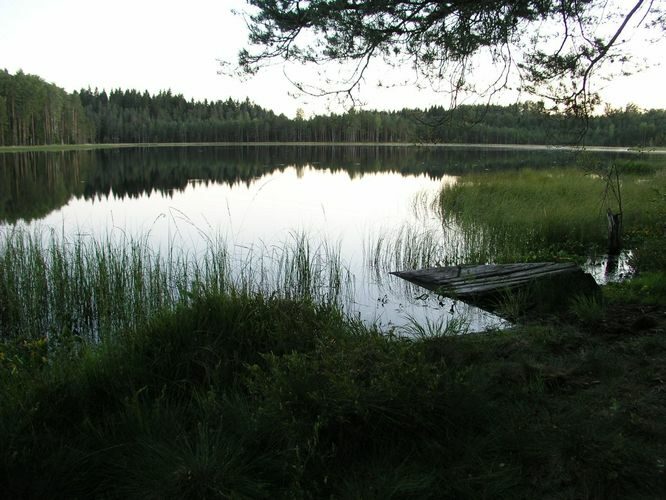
x=546, y=286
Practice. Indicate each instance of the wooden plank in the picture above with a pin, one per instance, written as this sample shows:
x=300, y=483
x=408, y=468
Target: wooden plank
x=550, y=283
x=484, y=275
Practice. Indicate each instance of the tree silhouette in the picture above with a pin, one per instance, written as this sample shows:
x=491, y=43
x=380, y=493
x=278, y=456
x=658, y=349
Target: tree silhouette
x=553, y=47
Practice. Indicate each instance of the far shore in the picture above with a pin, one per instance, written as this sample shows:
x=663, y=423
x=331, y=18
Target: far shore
x=511, y=147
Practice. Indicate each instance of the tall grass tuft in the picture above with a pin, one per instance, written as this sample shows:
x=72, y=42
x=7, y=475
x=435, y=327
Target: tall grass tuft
x=431, y=329
x=587, y=309
x=55, y=287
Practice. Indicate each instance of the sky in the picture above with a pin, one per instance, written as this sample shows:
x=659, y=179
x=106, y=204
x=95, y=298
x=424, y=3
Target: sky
x=156, y=45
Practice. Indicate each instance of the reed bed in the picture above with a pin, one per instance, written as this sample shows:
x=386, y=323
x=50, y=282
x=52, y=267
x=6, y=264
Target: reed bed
x=443, y=243
x=521, y=212
x=53, y=286
x=526, y=215
x=533, y=213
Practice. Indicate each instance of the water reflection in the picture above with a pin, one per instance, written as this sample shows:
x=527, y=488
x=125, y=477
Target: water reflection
x=34, y=184
x=254, y=199
x=610, y=268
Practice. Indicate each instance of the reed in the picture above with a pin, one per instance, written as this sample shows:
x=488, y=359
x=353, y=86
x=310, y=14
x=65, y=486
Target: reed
x=521, y=216
x=53, y=286
x=435, y=328
x=536, y=214
x=517, y=211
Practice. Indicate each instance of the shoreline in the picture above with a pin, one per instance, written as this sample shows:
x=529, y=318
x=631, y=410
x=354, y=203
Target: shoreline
x=55, y=148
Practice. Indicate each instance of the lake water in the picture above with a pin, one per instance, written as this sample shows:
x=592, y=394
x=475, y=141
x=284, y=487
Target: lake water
x=342, y=199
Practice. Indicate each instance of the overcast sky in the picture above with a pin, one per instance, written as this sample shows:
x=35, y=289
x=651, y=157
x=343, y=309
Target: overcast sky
x=167, y=44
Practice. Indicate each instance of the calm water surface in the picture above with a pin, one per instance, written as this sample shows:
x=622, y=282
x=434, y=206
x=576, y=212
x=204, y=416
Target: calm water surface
x=256, y=199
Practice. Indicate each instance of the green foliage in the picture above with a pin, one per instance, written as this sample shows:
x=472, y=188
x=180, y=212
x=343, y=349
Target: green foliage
x=646, y=288
x=531, y=208
x=587, y=309
x=157, y=413
x=537, y=215
x=650, y=255
x=19, y=355
x=525, y=215
x=338, y=402
x=35, y=112
x=129, y=116
x=513, y=304
x=439, y=41
x=245, y=397
x=54, y=287
x=435, y=328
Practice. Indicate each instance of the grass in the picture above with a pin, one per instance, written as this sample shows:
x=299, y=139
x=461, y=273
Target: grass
x=525, y=216
x=434, y=328
x=532, y=215
x=238, y=396
x=587, y=309
x=54, y=287
x=648, y=288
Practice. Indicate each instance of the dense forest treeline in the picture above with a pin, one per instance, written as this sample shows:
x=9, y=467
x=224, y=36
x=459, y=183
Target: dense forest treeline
x=33, y=111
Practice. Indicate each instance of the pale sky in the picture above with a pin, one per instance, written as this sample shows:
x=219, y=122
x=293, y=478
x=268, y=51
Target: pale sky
x=165, y=44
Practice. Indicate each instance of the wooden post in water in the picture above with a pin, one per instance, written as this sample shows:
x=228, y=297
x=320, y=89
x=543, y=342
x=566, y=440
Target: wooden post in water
x=614, y=232
x=614, y=190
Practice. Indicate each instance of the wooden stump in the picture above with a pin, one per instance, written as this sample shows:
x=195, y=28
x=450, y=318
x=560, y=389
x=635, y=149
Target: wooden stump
x=614, y=232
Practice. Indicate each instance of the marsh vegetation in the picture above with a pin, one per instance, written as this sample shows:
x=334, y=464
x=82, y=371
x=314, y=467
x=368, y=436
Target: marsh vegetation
x=91, y=290
x=537, y=214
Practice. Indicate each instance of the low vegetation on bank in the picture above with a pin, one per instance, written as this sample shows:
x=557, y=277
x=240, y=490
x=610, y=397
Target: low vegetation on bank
x=246, y=397
x=534, y=214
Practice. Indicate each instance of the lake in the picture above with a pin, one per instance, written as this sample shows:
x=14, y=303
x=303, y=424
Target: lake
x=367, y=208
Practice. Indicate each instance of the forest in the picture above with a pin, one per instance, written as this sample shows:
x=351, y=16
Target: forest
x=34, y=112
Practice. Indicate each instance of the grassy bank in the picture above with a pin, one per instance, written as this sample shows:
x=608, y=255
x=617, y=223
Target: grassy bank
x=248, y=397
x=232, y=393
x=527, y=215
x=535, y=215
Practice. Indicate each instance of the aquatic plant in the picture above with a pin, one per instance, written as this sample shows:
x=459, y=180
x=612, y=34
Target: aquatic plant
x=51, y=285
x=539, y=213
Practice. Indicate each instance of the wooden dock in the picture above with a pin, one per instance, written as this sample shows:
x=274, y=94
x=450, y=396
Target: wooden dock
x=545, y=286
